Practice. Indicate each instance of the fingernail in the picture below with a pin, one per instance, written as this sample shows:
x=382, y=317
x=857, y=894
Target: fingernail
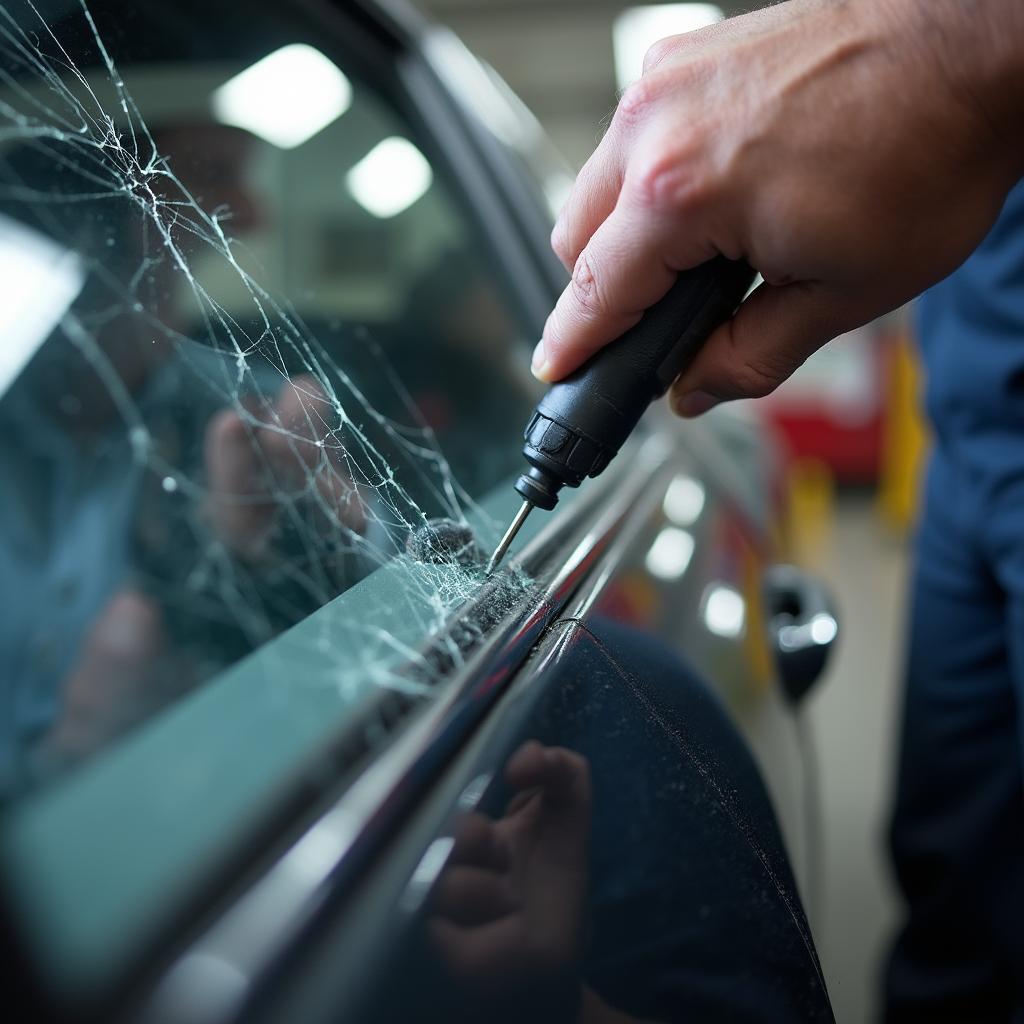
x=540, y=360
x=693, y=403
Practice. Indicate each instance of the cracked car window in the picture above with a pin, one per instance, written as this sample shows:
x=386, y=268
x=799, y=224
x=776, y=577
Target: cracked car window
x=251, y=343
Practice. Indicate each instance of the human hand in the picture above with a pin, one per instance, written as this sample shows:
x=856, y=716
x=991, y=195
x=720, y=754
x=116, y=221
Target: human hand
x=509, y=906
x=853, y=153
x=253, y=468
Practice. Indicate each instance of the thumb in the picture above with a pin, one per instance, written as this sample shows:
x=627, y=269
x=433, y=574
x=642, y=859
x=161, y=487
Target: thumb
x=769, y=337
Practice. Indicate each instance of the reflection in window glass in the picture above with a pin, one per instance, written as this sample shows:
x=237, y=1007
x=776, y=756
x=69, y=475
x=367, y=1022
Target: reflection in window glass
x=254, y=344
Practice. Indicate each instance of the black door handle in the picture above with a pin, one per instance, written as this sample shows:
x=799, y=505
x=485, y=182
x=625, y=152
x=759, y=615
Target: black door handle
x=802, y=627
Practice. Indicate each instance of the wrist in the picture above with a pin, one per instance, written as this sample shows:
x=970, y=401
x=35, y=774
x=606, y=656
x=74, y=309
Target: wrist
x=977, y=46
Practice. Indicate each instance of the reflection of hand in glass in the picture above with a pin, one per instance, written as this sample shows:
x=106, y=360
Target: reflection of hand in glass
x=253, y=468
x=510, y=904
x=113, y=682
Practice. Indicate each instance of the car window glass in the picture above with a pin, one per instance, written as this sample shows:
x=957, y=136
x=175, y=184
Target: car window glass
x=254, y=342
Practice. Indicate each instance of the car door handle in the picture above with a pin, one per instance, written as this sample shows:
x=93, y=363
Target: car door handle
x=802, y=627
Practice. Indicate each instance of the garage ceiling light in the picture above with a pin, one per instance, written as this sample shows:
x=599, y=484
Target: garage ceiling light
x=285, y=98
x=637, y=28
x=390, y=178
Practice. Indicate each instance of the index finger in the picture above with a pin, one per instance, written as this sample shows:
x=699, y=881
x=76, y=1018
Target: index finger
x=630, y=262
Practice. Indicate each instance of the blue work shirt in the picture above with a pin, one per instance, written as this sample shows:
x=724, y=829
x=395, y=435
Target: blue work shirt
x=971, y=332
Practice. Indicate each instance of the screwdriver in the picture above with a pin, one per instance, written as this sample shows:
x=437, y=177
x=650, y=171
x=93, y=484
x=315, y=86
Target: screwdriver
x=581, y=423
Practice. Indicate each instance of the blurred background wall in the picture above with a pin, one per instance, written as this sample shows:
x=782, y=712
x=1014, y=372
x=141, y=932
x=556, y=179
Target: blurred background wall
x=556, y=54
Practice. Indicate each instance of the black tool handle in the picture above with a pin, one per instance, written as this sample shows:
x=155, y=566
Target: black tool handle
x=582, y=421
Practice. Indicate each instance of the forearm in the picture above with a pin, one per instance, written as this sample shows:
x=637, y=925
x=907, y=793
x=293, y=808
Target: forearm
x=855, y=152
x=980, y=46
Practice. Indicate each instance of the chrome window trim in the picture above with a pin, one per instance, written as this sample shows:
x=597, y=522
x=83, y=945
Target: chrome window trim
x=572, y=560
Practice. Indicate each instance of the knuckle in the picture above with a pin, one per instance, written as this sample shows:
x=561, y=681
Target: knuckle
x=659, y=51
x=585, y=287
x=754, y=381
x=637, y=102
x=756, y=378
x=666, y=179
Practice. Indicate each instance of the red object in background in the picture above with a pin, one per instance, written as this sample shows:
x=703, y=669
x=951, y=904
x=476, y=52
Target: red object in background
x=833, y=408
x=852, y=453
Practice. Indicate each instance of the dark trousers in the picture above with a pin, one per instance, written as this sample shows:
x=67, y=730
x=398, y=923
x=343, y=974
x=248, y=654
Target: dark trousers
x=957, y=835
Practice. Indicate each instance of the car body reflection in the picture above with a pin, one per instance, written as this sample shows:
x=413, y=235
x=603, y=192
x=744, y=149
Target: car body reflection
x=623, y=865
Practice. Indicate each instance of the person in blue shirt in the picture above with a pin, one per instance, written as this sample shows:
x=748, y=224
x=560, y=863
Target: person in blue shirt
x=858, y=154
x=957, y=834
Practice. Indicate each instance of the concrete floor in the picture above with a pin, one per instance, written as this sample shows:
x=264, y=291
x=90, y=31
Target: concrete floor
x=854, y=715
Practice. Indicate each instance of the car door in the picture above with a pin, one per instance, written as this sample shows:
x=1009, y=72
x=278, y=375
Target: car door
x=259, y=414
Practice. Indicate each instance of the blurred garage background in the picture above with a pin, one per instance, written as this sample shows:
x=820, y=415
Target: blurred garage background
x=850, y=425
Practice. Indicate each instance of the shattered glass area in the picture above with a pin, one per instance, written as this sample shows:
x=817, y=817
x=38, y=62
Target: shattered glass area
x=238, y=374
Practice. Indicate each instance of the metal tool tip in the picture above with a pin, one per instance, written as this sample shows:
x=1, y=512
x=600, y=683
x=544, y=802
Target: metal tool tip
x=510, y=535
